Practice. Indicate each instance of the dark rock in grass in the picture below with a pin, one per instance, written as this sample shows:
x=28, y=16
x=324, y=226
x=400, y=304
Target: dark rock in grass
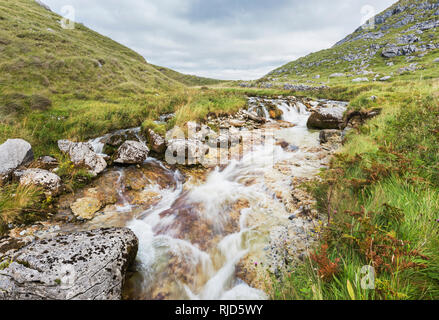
x=13, y=154
x=327, y=118
x=79, y=266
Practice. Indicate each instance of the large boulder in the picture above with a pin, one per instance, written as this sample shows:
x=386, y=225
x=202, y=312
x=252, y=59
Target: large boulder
x=79, y=266
x=327, y=118
x=13, y=154
x=82, y=154
x=49, y=181
x=131, y=152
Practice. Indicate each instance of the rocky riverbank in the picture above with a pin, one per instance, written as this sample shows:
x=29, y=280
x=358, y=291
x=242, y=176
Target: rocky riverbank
x=237, y=185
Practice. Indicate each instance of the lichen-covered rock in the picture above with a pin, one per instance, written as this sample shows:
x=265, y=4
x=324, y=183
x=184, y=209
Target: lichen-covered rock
x=14, y=153
x=237, y=123
x=79, y=266
x=42, y=178
x=360, y=79
x=86, y=208
x=337, y=75
x=155, y=141
x=327, y=118
x=82, y=154
x=131, y=152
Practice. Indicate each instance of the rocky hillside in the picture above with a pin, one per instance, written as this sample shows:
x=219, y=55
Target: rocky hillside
x=401, y=41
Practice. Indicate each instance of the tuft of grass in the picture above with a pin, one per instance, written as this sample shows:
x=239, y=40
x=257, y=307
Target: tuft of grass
x=18, y=204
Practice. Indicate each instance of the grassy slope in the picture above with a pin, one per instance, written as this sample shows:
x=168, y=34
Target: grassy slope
x=188, y=80
x=77, y=84
x=382, y=189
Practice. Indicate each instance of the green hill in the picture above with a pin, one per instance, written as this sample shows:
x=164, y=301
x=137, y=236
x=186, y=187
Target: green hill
x=400, y=42
x=58, y=83
x=188, y=80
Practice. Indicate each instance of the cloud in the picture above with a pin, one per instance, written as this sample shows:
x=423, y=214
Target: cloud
x=224, y=39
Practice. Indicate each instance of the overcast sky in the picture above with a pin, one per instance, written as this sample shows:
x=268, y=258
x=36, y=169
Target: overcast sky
x=223, y=39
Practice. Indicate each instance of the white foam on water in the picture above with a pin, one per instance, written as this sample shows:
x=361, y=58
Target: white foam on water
x=221, y=190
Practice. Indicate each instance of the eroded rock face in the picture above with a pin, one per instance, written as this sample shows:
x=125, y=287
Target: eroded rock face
x=327, y=118
x=131, y=152
x=42, y=178
x=14, y=153
x=79, y=266
x=82, y=154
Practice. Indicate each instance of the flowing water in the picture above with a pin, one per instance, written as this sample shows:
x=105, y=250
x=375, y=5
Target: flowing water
x=212, y=237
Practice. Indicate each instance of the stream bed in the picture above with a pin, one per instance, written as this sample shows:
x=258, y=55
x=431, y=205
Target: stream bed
x=214, y=233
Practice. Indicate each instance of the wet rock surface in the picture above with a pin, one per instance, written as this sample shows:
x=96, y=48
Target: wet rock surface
x=78, y=266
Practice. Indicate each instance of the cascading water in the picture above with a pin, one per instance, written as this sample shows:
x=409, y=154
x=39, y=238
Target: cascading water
x=214, y=237
x=192, y=241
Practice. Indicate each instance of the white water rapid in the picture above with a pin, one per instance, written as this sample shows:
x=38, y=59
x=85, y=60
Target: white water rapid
x=193, y=241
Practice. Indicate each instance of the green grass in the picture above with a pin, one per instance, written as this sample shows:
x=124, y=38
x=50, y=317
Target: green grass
x=20, y=204
x=382, y=190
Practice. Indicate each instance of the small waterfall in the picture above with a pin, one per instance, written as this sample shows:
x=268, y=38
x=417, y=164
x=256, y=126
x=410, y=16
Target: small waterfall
x=297, y=114
x=172, y=263
x=98, y=143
